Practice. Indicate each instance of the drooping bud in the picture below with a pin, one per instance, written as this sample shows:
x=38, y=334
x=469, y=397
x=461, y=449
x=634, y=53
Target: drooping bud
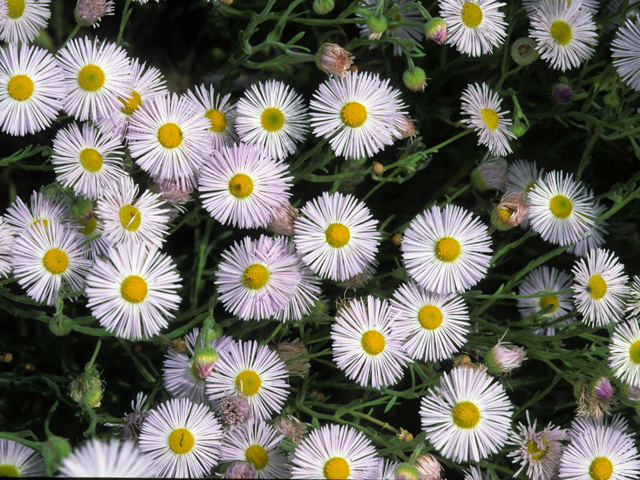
x=53, y=451
x=287, y=351
x=503, y=358
x=590, y=405
x=240, y=470
x=204, y=359
x=377, y=26
x=81, y=209
x=291, y=427
x=510, y=212
x=284, y=219
x=235, y=410
x=523, y=51
x=89, y=12
x=396, y=239
x=428, y=467
x=322, y=7
x=601, y=388
x=562, y=93
x=491, y=174
x=436, y=30
x=334, y=60
x=60, y=325
x=406, y=471
x=415, y=79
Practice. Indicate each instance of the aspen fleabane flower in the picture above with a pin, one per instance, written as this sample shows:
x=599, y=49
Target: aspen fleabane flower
x=624, y=356
x=220, y=113
x=17, y=460
x=112, y=458
x=21, y=20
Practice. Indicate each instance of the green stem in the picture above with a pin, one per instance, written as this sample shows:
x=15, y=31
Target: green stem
x=95, y=354
x=72, y=34
x=126, y=13
x=48, y=419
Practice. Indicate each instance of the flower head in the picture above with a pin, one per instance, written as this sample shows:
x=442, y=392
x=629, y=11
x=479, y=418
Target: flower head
x=17, y=460
x=21, y=21
x=334, y=60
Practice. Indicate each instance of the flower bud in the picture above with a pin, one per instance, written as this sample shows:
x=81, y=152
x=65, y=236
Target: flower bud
x=287, y=351
x=523, y=51
x=562, y=93
x=60, y=325
x=428, y=467
x=377, y=168
x=89, y=12
x=377, y=26
x=322, y=7
x=240, y=470
x=436, y=30
x=415, y=80
x=490, y=175
x=503, y=358
x=81, y=209
x=53, y=451
x=406, y=471
x=396, y=239
x=283, y=221
x=601, y=388
x=510, y=212
x=93, y=397
x=334, y=60
x=204, y=359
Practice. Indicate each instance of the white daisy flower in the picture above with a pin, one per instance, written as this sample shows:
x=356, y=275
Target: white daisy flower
x=600, y=288
x=483, y=107
x=624, y=352
x=47, y=257
x=109, y=458
x=522, y=177
x=595, y=236
x=435, y=326
x=130, y=221
x=624, y=51
x=16, y=460
x=96, y=75
x=565, y=32
x=336, y=236
x=386, y=469
x=86, y=160
x=258, y=444
x=334, y=451
x=43, y=210
x=253, y=371
x=272, y=116
x=31, y=86
x=590, y=5
x=148, y=83
x=256, y=278
x=447, y=250
x=134, y=291
x=600, y=452
x=168, y=140
x=6, y=248
x=633, y=302
x=180, y=373
x=474, y=27
x=561, y=210
x=182, y=438
x=22, y=20
x=97, y=243
x=359, y=114
x=468, y=417
x=549, y=280
x=397, y=14
x=365, y=347
x=220, y=113
x=243, y=186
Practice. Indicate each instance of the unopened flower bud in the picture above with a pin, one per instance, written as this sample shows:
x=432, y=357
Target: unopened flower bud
x=240, y=470
x=490, y=175
x=428, y=467
x=334, y=60
x=377, y=168
x=83, y=391
x=235, y=410
x=287, y=351
x=204, y=359
x=53, y=451
x=523, y=51
x=436, y=30
x=89, y=12
x=601, y=388
x=60, y=325
x=291, y=427
x=81, y=209
x=406, y=126
x=396, y=239
x=322, y=7
x=377, y=26
x=562, y=93
x=415, y=79
x=406, y=471
x=283, y=221
x=510, y=212
x=93, y=397
x=503, y=358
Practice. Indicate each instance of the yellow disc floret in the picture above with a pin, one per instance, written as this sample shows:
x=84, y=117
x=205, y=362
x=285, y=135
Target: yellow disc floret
x=601, y=468
x=471, y=15
x=16, y=8
x=20, y=87
x=257, y=456
x=465, y=414
x=337, y=235
x=430, y=317
x=241, y=185
x=133, y=289
x=373, y=342
x=354, y=114
x=272, y=119
x=490, y=118
x=88, y=226
x=91, y=160
x=537, y=453
x=561, y=32
x=181, y=441
x=255, y=276
x=447, y=249
x=91, y=78
x=550, y=300
x=217, y=119
x=634, y=352
x=597, y=287
x=170, y=135
x=560, y=206
x=8, y=471
x=248, y=382
x=336, y=468
x=131, y=104
x=130, y=218
x=55, y=261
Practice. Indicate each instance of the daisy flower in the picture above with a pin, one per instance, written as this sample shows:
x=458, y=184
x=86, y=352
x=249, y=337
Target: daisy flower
x=565, y=32
x=474, y=27
x=258, y=444
x=474, y=473
x=600, y=452
x=86, y=160
x=624, y=51
x=134, y=291
x=256, y=278
x=31, y=86
x=112, y=458
x=386, y=469
x=397, y=14
x=243, y=186
x=595, y=236
x=600, y=288
x=96, y=74
x=447, y=250
x=253, y=371
x=46, y=258
x=6, y=248
x=90, y=12
x=22, y=20
x=561, y=210
x=130, y=221
x=336, y=236
x=334, y=451
x=435, y=326
x=148, y=83
x=272, y=116
x=590, y=5
x=359, y=114
x=365, y=347
x=483, y=108
x=468, y=417
x=16, y=460
x=522, y=176
x=168, y=141
x=624, y=352
x=633, y=302
x=180, y=373
x=182, y=438
x=538, y=451
x=43, y=210
x=220, y=113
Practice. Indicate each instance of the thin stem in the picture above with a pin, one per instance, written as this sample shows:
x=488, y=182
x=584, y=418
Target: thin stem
x=95, y=354
x=72, y=34
x=126, y=13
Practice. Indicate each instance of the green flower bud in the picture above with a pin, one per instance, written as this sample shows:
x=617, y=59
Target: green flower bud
x=60, y=325
x=93, y=397
x=415, y=80
x=204, y=360
x=322, y=7
x=377, y=26
x=53, y=451
x=405, y=471
x=81, y=208
x=436, y=30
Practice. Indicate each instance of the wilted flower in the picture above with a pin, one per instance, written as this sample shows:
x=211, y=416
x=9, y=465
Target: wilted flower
x=523, y=51
x=406, y=127
x=595, y=399
x=503, y=358
x=291, y=427
x=133, y=421
x=287, y=351
x=510, y=212
x=240, y=470
x=89, y=12
x=283, y=220
x=235, y=411
x=334, y=60
x=428, y=467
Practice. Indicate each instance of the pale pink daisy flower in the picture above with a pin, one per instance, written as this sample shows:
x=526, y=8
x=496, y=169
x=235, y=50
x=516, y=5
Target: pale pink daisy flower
x=21, y=21
x=220, y=112
x=17, y=460
x=107, y=458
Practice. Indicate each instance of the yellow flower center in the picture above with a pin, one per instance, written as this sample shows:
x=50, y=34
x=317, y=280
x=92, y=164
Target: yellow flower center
x=248, y=382
x=88, y=226
x=465, y=415
x=181, y=441
x=257, y=456
x=634, y=352
x=130, y=218
x=43, y=221
x=272, y=119
x=16, y=9
x=337, y=235
x=354, y=114
x=373, y=342
x=170, y=135
x=241, y=185
x=336, y=468
x=91, y=160
x=560, y=206
x=561, y=32
x=255, y=276
x=396, y=18
x=133, y=289
x=597, y=287
x=91, y=78
x=490, y=118
x=217, y=119
x=20, y=87
x=430, y=317
x=601, y=469
x=551, y=300
x=130, y=104
x=447, y=249
x=55, y=261
x=536, y=452
x=471, y=15
x=505, y=213
x=8, y=471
